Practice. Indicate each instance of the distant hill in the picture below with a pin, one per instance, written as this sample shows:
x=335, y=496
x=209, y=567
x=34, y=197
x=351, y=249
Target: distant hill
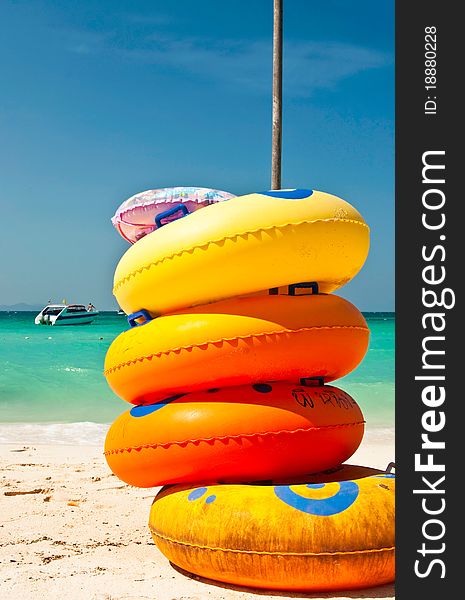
x=22, y=306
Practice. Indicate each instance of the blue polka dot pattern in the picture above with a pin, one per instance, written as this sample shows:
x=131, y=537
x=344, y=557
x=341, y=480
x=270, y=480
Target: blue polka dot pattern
x=321, y=507
x=197, y=493
x=263, y=388
x=288, y=194
x=143, y=411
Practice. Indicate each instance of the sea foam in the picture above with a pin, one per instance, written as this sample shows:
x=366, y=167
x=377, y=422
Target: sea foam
x=69, y=434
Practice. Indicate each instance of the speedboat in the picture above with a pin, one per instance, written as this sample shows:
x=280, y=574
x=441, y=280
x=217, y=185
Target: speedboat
x=65, y=314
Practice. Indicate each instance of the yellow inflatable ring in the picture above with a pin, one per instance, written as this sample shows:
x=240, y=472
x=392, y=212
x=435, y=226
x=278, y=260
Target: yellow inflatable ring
x=234, y=342
x=326, y=532
x=247, y=244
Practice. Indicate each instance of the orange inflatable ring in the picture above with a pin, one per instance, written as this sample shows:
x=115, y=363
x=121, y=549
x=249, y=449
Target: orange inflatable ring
x=325, y=532
x=245, y=433
x=236, y=342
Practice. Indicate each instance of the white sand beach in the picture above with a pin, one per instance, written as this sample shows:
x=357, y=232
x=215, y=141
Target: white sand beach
x=69, y=529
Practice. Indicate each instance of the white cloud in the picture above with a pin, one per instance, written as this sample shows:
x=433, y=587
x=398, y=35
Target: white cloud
x=308, y=65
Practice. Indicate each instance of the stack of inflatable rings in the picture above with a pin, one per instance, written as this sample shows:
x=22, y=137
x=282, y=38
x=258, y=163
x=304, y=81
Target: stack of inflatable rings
x=235, y=335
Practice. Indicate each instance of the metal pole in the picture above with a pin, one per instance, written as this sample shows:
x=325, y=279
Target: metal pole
x=276, y=141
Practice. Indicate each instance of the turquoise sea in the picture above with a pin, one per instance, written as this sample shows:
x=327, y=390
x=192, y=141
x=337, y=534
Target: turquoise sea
x=53, y=375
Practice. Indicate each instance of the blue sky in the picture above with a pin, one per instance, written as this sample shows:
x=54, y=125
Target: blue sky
x=104, y=99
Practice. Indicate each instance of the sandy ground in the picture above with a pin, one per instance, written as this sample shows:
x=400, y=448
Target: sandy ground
x=69, y=529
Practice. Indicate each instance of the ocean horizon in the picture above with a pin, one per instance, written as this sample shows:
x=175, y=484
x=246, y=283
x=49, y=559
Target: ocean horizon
x=52, y=388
